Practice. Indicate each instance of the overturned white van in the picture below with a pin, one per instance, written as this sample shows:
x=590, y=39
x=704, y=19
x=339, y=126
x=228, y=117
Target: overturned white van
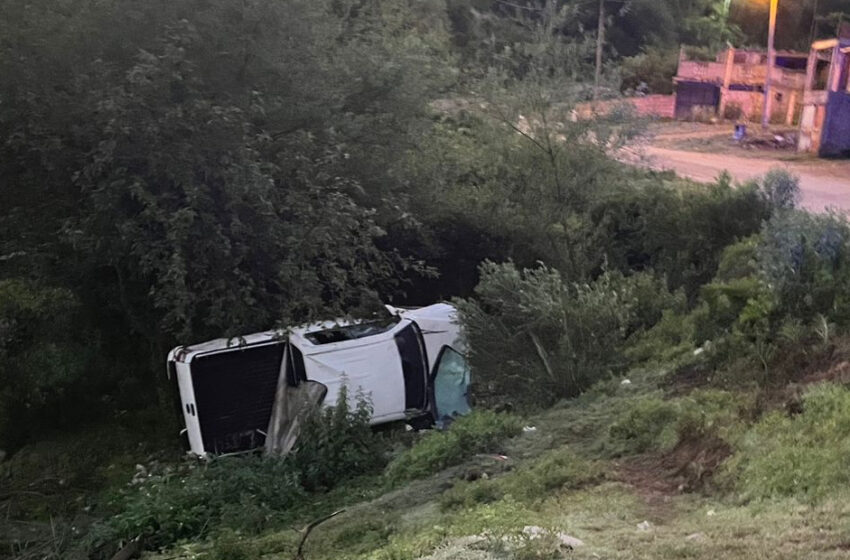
x=233, y=391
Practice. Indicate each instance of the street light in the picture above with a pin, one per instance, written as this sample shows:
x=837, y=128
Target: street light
x=771, y=59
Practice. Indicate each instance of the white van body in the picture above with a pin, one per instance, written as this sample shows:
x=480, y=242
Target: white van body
x=227, y=386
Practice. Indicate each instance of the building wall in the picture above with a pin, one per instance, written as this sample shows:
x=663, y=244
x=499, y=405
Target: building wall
x=752, y=102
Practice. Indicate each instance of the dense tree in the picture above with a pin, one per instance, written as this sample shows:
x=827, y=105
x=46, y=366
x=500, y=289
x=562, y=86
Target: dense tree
x=189, y=169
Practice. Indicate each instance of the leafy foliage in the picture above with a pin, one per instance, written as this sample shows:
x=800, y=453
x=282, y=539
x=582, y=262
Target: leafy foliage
x=189, y=170
x=337, y=442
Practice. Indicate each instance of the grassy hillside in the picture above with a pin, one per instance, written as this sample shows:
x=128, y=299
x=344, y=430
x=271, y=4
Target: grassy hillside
x=697, y=491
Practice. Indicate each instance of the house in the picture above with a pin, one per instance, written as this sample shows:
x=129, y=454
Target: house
x=248, y=392
x=732, y=85
x=825, y=118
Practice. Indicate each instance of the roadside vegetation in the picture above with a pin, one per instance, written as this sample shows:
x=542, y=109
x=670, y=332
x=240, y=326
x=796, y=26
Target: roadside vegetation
x=659, y=367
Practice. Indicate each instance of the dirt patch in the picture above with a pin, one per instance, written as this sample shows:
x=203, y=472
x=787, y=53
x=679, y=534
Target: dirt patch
x=685, y=379
x=837, y=373
x=686, y=468
x=800, y=368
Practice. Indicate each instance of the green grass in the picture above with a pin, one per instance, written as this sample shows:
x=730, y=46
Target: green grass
x=658, y=423
x=479, y=432
x=561, y=477
x=449, y=497
x=805, y=455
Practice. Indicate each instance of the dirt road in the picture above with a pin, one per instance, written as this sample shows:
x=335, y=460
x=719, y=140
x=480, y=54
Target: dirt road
x=823, y=183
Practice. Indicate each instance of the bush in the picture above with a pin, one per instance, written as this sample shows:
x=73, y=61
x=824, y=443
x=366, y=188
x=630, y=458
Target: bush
x=781, y=189
x=479, y=432
x=228, y=546
x=733, y=112
x=805, y=258
x=243, y=493
x=804, y=455
x=248, y=493
x=535, y=338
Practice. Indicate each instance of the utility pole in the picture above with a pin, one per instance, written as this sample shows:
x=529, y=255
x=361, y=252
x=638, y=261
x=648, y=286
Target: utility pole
x=771, y=60
x=600, y=41
x=814, y=23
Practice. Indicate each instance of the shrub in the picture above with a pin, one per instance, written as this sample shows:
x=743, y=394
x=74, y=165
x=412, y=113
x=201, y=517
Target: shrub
x=228, y=546
x=479, y=432
x=738, y=260
x=804, y=455
x=336, y=442
x=238, y=492
x=535, y=338
x=781, y=189
x=722, y=304
x=805, y=258
x=733, y=112
x=679, y=233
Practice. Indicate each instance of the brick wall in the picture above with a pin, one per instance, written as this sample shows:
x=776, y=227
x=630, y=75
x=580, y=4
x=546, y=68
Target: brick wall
x=661, y=106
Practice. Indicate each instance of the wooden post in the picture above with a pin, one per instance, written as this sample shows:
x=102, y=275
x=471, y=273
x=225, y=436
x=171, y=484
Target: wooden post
x=727, y=81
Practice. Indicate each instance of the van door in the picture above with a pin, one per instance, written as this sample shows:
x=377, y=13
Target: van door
x=451, y=386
